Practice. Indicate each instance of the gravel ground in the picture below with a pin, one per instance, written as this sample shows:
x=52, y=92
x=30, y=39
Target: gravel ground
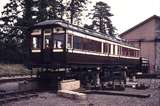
x=51, y=99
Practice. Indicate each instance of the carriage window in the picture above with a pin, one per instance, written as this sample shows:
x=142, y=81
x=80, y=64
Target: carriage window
x=58, y=30
x=119, y=50
x=127, y=52
x=36, y=43
x=124, y=51
x=113, y=49
x=69, y=41
x=77, y=42
x=97, y=46
x=91, y=45
x=47, y=32
x=47, y=41
x=58, y=41
x=137, y=53
x=36, y=32
x=106, y=48
x=131, y=52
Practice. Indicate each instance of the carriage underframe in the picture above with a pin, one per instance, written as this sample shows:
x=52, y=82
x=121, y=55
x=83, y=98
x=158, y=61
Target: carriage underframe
x=94, y=71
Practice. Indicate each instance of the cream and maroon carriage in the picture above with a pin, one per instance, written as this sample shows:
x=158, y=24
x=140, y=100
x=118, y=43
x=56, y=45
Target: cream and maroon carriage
x=56, y=44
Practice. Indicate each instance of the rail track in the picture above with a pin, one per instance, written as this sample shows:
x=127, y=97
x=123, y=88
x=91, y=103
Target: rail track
x=12, y=78
x=12, y=75
x=6, y=97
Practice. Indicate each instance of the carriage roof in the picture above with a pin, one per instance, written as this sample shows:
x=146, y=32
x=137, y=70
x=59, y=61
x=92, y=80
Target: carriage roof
x=67, y=25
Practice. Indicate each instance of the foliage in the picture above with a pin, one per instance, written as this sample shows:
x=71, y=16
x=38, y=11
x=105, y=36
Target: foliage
x=74, y=10
x=56, y=9
x=11, y=36
x=101, y=21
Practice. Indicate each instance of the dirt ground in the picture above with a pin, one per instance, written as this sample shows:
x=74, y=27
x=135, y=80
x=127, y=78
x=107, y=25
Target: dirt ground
x=51, y=99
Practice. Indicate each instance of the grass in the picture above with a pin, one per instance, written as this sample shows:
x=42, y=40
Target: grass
x=13, y=69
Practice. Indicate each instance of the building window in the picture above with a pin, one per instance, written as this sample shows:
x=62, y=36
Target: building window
x=36, y=43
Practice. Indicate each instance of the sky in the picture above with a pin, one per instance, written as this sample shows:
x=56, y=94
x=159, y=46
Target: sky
x=127, y=13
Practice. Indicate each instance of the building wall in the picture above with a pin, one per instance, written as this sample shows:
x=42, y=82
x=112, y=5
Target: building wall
x=144, y=32
x=158, y=45
x=148, y=51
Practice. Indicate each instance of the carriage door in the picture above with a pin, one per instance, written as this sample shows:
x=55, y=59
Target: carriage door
x=47, y=45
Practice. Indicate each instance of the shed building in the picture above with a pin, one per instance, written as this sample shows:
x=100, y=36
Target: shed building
x=146, y=36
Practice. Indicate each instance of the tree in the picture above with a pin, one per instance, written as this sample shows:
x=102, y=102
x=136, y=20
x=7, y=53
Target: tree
x=11, y=15
x=16, y=18
x=101, y=19
x=25, y=23
x=74, y=9
x=91, y=27
x=55, y=9
x=42, y=10
x=48, y=10
x=10, y=35
x=111, y=29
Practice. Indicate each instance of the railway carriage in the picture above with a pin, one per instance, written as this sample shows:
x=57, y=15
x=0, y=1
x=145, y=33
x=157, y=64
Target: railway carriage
x=57, y=44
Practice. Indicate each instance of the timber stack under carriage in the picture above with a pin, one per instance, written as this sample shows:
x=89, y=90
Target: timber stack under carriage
x=57, y=44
